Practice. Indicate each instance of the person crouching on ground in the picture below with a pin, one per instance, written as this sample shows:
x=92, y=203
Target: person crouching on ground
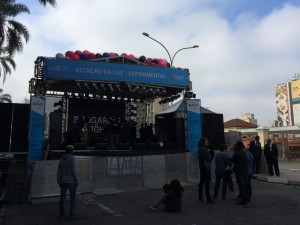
x=171, y=198
x=67, y=179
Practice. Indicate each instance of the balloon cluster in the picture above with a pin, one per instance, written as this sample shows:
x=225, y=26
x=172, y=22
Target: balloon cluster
x=86, y=55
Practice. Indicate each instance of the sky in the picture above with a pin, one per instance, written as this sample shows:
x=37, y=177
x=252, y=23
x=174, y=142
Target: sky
x=246, y=47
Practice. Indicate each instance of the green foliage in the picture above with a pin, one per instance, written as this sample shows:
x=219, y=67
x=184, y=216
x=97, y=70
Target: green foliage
x=5, y=98
x=13, y=34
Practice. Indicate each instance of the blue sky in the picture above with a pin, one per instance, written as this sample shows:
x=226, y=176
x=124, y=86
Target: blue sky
x=246, y=47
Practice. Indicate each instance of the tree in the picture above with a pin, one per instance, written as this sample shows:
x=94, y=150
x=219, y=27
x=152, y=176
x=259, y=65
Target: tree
x=5, y=98
x=6, y=63
x=13, y=33
x=50, y=2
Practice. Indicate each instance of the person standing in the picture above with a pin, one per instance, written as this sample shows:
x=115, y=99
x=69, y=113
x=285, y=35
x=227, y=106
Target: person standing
x=67, y=179
x=240, y=168
x=271, y=154
x=255, y=149
x=205, y=157
x=222, y=161
x=250, y=173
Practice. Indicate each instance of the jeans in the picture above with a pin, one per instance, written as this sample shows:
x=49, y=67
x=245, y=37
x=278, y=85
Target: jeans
x=242, y=181
x=63, y=191
x=248, y=188
x=217, y=185
x=205, y=178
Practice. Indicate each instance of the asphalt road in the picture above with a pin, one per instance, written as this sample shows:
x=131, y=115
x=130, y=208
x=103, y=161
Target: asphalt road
x=272, y=204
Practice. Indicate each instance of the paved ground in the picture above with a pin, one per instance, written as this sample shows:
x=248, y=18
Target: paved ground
x=273, y=203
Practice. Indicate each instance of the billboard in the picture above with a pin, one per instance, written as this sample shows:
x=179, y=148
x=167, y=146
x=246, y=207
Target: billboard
x=295, y=90
x=296, y=114
x=282, y=105
x=103, y=71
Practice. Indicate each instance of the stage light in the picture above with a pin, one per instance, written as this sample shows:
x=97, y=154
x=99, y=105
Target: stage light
x=103, y=87
x=110, y=87
x=118, y=88
x=79, y=85
x=95, y=86
x=87, y=85
x=135, y=88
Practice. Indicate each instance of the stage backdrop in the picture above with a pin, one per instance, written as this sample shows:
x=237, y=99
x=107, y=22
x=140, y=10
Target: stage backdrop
x=97, y=113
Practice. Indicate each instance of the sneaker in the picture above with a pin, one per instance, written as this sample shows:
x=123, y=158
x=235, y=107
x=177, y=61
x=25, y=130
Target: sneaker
x=153, y=208
x=63, y=218
x=72, y=217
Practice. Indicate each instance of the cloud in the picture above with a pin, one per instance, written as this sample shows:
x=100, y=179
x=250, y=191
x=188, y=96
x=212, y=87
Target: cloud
x=234, y=70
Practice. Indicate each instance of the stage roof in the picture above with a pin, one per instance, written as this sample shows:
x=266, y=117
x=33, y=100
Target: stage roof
x=117, y=77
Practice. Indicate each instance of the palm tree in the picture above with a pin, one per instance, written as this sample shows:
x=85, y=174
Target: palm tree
x=6, y=64
x=50, y=2
x=5, y=98
x=13, y=33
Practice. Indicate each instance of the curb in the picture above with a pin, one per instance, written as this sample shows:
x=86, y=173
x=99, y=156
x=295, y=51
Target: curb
x=277, y=180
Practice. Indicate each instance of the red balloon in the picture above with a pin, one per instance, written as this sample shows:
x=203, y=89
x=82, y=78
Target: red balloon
x=86, y=52
x=124, y=55
x=130, y=56
x=78, y=52
x=147, y=62
x=69, y=53
x=111, y=54
x=91, y=56
x=75, y=57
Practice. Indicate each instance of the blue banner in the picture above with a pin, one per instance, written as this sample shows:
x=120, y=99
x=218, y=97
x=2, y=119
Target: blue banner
x=193, y=124
x=105, y=71
x=36, y=128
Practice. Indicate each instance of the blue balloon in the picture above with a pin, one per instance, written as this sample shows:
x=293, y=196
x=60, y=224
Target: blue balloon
x=84, y=56
x=105, y=55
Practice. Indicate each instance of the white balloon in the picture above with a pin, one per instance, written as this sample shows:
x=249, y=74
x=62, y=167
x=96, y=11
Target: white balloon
x=59, y=56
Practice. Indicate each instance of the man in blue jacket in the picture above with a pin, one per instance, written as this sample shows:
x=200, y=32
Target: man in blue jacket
x=222, y=161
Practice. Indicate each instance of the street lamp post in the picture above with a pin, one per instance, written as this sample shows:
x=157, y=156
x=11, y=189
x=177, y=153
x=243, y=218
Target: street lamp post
x=171, y=58
x=186, y=91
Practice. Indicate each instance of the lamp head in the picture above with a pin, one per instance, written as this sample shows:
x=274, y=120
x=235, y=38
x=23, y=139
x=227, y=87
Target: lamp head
x=145, y=34
x=196, y=46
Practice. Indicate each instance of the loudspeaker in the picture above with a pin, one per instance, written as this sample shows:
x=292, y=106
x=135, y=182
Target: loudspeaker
x=80, y=146
x=180, y=133
x=101, y=146
x=169, y=146
x=213, y=129
x=140, y=146
x=20, y=128
x=124, y=146
x=155, y=145
x=55, y=131
x=5, y=119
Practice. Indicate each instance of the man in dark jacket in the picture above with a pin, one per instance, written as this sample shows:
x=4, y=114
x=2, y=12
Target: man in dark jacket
x=271, y=154
x=255, y=149
x=240, y=168
x=67, y=178
x=205, y=157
